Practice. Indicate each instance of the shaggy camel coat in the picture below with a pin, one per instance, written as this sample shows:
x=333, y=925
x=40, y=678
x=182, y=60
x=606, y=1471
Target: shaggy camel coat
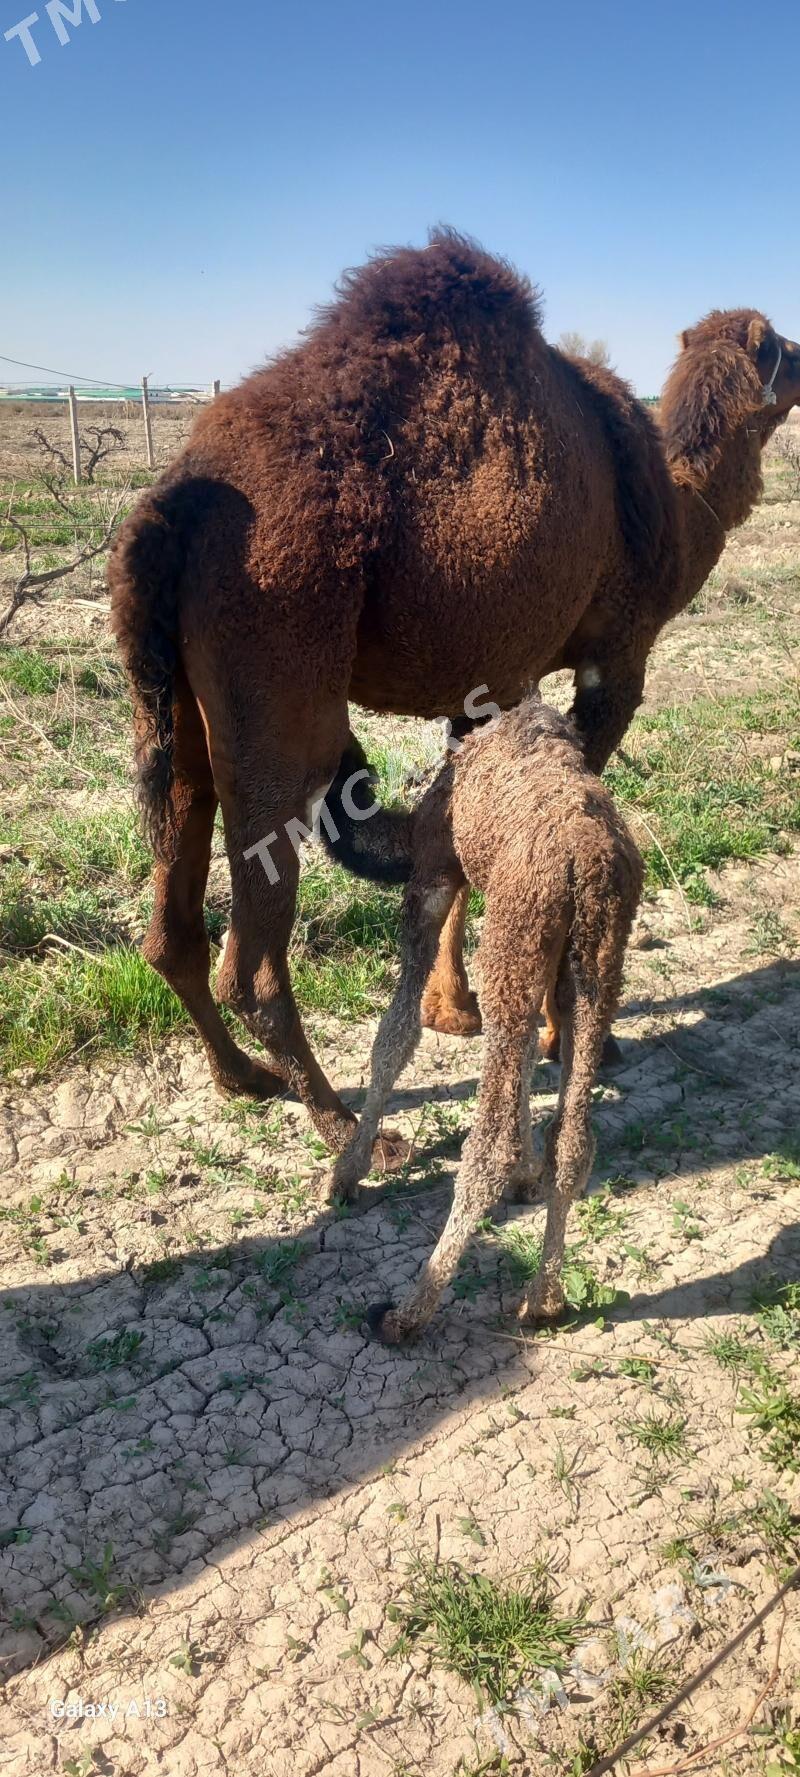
x=518, y=814
x=421, y=499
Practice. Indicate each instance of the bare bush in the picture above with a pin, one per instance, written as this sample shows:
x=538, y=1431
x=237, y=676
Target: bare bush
x=574, y=345
x=95, y=445
x=787, y=447
x=92, y=536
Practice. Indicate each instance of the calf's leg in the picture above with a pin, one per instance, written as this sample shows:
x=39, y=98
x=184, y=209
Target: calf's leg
x=427, y=904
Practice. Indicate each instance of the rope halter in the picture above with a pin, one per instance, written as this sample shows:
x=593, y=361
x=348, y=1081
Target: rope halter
x=768, y=395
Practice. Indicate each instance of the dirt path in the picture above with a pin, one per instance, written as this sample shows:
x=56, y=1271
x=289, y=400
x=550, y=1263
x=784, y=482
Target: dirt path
x=194, y=1415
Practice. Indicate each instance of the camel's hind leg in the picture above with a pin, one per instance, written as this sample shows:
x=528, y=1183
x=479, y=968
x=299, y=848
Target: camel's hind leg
x=176, y=942
x=273, y=759
x=515, y=959
x=448, y=1004
x=586, y=996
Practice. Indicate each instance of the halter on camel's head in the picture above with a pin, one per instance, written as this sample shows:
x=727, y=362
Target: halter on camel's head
x=733, y=372
x=776, y=360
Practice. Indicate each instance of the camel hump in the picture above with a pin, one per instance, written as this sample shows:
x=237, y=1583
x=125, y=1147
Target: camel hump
x=451, y=284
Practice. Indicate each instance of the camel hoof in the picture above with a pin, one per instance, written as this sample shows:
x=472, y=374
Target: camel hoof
x=540, y=1309
x=390, y=1151
x=382, y=1322
x=257, y=1082
x=612, y=1054
x=451, y=1020
x=338, y=1187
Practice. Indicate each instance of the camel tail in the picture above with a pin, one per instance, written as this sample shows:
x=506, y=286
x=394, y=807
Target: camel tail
x=368, y=840
x=144, y=576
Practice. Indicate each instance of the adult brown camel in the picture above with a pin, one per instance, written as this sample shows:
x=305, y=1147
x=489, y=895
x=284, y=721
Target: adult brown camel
x=420, y=499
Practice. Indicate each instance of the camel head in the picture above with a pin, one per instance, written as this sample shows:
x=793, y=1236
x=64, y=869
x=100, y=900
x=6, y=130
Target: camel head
x=733, y=370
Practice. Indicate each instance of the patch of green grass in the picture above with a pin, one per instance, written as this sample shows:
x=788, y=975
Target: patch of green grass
x=496, y=1635
x=704, y=797
x=774, y=1414
x=777, y=1306
x=583, y=1290
x=773, y=1519
x=30, y=671
x=28, y=916
x=733, y=1353
x=52, y=1009
x=101, y=846
x=112, y=1351
x=597, y=1215
x=660, y=1437
x=639, y=1369
x=784, y=1163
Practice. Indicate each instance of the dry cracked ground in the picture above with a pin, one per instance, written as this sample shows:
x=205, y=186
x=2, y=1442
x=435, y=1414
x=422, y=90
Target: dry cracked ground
x=265, y=1544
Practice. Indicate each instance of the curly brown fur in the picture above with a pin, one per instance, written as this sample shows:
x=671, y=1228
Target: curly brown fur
x=519, y=814
x=421, y=498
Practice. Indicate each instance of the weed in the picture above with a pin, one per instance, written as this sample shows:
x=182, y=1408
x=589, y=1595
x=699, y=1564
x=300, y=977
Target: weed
x=348, y=1316
x=95, y=1577
x=778, y=1309
x=113, y=1350
x=773, y=1519
x=565, y=1472
x=186, y=1658
x=773, y=1411
x=598, y=1217
x=683, y=1222
x=644, y=1683
x=80, y=1766
x=356, y=1652
x=493, y=1634
x=582, y=1288
x=784, y=1163
x=659, y=1437
x=469, y=1527
x=639, y=1369
x=733, y=1353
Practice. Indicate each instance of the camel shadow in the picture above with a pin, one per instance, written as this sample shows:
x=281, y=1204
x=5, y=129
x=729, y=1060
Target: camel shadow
x=154, y=1416
x=702, y=1072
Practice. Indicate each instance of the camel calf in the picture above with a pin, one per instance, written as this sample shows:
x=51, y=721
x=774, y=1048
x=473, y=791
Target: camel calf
x=518, y=814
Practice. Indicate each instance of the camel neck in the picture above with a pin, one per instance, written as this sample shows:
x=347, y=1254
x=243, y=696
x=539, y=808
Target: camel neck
x=713, y=504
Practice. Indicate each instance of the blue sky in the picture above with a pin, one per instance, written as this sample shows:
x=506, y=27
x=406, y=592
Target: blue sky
x=185, y=179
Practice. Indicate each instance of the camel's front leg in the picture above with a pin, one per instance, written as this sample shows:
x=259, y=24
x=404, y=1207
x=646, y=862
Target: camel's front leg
x=608, y=692
x=426, y=906
x=448, y=1004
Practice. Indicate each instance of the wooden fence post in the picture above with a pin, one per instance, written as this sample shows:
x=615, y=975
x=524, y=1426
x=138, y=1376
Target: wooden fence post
x=76, y=441
x=148, y=427
x=215, y=389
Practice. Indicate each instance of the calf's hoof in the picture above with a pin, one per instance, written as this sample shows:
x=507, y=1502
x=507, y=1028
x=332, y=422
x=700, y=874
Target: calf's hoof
x=550, y=1049
x=544, y=1306
x=390, y=1151
x=449, y=1018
